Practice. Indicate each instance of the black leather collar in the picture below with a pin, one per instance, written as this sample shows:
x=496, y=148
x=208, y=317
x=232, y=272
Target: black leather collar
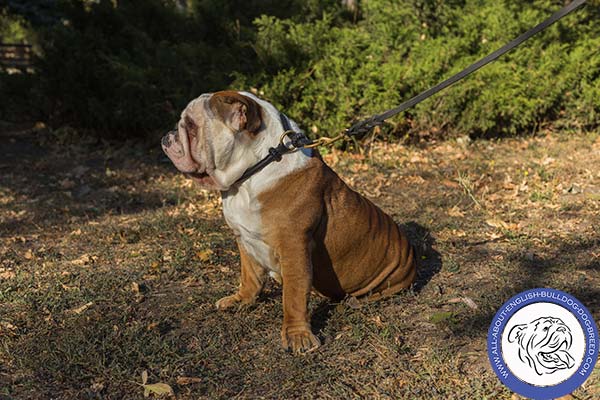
x=297, y=140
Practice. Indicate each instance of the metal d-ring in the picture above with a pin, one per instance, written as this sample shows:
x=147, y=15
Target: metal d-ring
x=283, y=136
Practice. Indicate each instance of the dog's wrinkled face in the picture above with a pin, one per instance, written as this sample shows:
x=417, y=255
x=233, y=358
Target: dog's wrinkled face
x=213, y=140
x=544, y=344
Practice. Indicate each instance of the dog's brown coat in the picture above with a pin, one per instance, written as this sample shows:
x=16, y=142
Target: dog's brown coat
x=327, y=236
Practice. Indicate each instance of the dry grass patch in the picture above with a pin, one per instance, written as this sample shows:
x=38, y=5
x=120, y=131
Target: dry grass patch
x=111, y=263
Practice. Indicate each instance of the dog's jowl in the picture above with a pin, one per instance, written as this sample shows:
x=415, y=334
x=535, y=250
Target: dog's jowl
x=295, y=220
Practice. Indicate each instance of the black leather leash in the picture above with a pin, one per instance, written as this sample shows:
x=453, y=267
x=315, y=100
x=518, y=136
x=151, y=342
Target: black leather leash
x=298, y=139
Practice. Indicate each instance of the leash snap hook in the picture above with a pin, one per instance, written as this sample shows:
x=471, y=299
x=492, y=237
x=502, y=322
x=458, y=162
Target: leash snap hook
x=324, y=141
x=290, y=146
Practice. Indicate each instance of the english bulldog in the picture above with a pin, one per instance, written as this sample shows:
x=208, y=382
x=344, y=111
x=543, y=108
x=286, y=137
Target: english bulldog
x=544, y=344
x=295, y=220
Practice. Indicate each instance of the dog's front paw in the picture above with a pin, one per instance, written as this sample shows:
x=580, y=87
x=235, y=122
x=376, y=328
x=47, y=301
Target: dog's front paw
x=228, y=301
x=299, y=339
x=232, y=300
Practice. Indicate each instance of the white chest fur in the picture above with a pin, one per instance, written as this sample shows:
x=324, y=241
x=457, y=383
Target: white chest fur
x=242, y=213
x=241, y=207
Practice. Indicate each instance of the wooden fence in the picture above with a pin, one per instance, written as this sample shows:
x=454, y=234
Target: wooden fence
x=16, y=56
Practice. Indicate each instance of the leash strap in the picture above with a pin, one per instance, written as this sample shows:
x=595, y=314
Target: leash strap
x=366, y=125
x=298, y=139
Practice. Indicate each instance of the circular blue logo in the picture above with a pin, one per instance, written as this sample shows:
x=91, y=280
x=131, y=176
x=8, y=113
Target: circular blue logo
x=543, y=343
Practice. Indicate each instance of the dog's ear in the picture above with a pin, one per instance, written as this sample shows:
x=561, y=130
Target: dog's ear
x=516, y=332
x=239, y=112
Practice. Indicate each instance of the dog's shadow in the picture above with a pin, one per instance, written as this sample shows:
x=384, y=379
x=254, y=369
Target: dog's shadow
x=429, y=260
x=429, y=263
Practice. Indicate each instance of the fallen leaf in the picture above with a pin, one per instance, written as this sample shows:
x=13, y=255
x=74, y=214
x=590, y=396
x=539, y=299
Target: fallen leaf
x=523, y=187
x=151, y=326
x=97, y=387
x=187, y=380
x=441, y=317
x=8, y=326
x=353, y=302
x=204, y=255
x=159, y=389
x=144, y=377
x=469, y=302
x=418, y=159
x=28, y=254
x=414, y=180
x=455, y=212
x=493, y=235
x=67, y=287
x=377, y=321
x=81, y=309
x=7, y=275
x=548, y=160
x=496, y=223
x=84, y=259
x=191, y=281
x=449, y=183
x=135, y=287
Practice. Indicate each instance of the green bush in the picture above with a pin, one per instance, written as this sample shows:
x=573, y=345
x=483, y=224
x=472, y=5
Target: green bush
x=331, y=76
x=127, y=68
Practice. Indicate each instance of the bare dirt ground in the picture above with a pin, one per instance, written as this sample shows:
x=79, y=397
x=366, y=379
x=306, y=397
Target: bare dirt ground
x=110, y=263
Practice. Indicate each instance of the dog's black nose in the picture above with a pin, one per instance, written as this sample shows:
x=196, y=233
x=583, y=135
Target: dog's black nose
x=166, y=140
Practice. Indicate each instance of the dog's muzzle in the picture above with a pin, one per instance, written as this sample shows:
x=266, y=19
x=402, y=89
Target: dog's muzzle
x=168, y=139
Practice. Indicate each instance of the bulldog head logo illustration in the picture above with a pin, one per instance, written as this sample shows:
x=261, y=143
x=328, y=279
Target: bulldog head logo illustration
x=544, y=344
